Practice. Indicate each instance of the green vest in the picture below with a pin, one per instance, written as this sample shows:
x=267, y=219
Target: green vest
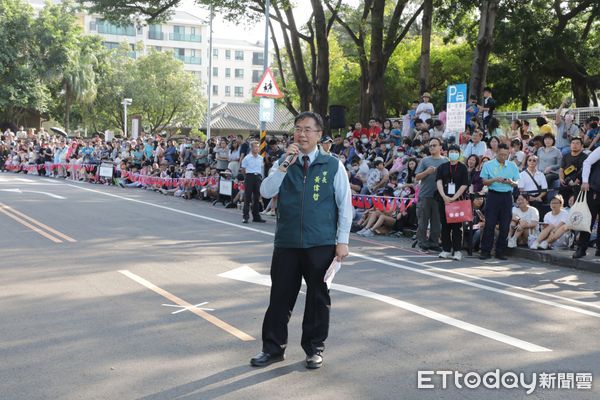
x=307, y=213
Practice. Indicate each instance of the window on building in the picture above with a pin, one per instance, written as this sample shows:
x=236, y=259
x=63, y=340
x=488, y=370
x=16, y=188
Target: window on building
x=239, y=55
x=256, y=75
x=227, y=91
x=228, y=54
x=215, y=71
x=155, y=32
x=215, y=53
x=239, y=91
x=215, y=90
x=227, y=72
x=257, y=58
x=180, y=52
x=93, y=25
x=239, y=73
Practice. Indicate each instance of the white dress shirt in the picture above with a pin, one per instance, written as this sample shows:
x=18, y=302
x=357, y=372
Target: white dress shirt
x=252, y=164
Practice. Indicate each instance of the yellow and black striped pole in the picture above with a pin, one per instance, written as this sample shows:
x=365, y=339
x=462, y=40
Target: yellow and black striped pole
x=263, y=143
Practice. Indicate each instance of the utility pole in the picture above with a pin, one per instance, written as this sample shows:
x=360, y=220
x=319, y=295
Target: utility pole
x=263, y=124
x=210, y=58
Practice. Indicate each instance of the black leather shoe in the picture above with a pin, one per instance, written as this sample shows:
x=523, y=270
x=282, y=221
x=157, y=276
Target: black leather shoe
x=245, y=220
x=579, y=253
x=501, y=257
x=263, y=359
x=435, y=248
x=258, y=220
x=315, y=361
x=485, y=256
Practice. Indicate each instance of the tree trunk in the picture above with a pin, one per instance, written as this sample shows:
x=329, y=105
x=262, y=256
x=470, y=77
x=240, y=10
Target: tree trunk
x=67, y=108
x=524, y=89
x=364, y=103
x=580, y=91
x=489, y=11
x=425, y=46
x=320, y=99
x=377, y=62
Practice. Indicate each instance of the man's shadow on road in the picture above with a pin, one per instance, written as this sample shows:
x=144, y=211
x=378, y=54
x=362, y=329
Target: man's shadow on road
x=246, y=374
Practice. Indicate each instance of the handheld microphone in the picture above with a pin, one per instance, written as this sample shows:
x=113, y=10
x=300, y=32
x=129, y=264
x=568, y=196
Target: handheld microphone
x=288, y=160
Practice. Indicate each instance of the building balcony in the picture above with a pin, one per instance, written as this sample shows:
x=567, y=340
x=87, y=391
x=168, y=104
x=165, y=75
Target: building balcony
x=181, y=37
x=108, y=29
x=156, y=35
x=189, y=59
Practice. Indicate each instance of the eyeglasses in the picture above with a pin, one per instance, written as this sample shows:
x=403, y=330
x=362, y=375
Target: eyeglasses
x=532, y=160
x=433, y=145
x=299, y=129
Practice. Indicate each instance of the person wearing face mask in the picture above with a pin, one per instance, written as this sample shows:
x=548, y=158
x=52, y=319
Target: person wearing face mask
x=452, y=182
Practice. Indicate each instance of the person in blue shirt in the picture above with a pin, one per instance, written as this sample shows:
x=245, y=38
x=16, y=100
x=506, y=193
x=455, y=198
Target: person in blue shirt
x=472, y=111
x=501, y=177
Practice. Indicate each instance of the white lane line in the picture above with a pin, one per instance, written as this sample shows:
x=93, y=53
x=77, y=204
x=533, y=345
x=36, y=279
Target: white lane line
x=499, y=283
x=247, y=274
x=17, y=190
x=377, y=260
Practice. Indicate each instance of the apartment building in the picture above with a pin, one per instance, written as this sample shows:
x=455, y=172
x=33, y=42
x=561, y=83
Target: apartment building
x=237, y=64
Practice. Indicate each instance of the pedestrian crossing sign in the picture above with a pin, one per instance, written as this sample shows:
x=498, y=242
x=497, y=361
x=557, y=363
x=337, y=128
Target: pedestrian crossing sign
x=267, y=86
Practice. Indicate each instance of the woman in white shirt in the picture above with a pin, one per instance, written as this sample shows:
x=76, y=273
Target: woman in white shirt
x=525, y=219
x=556, y=229
x=533, y=182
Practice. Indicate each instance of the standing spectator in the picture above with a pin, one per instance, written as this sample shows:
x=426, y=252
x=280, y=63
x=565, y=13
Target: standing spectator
x=222, y=155
x=452, y=183
x=253, y=170
x=500, y=176
x=591, y=184
x=571, y=167
x=234, y=158
x=425, y=110
x=396, y=132
x=550, y=159
x=489, y=105
x=474, y=171
x=525, y=219
x=428, y=213
x=477, y=146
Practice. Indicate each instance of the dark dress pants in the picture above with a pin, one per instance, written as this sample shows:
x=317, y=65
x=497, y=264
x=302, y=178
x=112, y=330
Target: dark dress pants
x=288, y=267
x=593, y=202
x=452, y=234
x=252, y=194
x=498, y=210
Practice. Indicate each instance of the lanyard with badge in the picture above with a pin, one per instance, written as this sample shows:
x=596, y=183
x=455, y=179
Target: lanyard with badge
x=451, y=185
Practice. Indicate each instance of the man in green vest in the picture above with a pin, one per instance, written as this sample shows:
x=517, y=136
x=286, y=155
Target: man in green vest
x=314, y=216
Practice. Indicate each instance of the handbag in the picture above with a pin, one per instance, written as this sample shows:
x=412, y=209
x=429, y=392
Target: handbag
x=580, y=217
x=459, y=211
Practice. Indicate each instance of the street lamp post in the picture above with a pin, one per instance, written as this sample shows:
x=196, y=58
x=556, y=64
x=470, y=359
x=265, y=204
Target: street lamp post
x=210, y=58
x=126, y=102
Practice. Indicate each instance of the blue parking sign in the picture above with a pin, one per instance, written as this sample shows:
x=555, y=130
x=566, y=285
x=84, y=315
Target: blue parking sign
x=457, y=93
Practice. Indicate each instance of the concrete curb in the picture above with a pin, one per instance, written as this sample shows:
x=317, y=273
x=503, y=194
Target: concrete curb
x=588, y=263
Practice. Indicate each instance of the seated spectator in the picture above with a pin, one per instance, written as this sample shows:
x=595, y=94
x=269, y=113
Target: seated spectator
x=533, y=183
x=378, y=177
x=517, y=155
x=524, y=222
x=375, y=220
x=571, y=167
x=549, y=159
x=544, y=126
x=478, y=202
x=555, y=231
x=493, y=149
x=356, y=183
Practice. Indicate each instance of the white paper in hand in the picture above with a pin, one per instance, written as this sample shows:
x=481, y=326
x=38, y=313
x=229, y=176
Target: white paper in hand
x=331, y=271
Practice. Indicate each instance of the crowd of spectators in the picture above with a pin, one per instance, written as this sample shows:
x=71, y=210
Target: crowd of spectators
x=413, y=160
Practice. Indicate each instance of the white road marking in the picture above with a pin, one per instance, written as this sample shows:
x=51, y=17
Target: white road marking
x=583, y=303
x=184, y=308
x=377, y=260
x=16, y=190
x=247, y=274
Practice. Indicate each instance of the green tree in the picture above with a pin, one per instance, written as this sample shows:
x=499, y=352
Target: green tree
x=163, y=94
x=21, y=87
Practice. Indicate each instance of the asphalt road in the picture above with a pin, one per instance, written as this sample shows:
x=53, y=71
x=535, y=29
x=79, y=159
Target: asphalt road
x=94, y=281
